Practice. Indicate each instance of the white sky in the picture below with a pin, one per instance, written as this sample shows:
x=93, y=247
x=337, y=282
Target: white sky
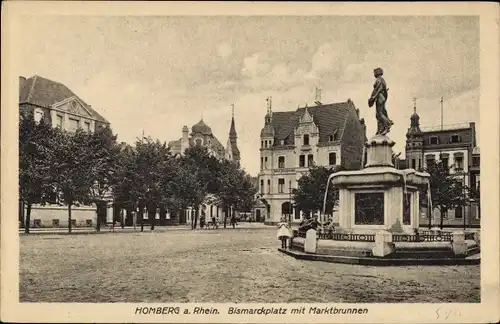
x=160, y=73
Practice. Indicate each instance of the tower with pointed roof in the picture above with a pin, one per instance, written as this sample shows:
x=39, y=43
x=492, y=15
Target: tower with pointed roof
x=232, y=151
x=414, y=141
x=292, y=141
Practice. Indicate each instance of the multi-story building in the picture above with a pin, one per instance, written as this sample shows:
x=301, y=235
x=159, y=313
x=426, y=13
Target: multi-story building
x=291, y=141
x=454, y=145
x=57, y=105
x=201, y=134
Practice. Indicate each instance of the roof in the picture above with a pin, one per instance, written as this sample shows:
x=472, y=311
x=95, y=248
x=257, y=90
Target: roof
x=329, y=118
x=43, y=92
x=201, y=128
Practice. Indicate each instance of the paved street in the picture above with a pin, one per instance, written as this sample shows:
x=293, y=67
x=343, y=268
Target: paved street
x=217, y=266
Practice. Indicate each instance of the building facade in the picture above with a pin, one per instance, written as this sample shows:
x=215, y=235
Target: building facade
x=454, y=145
x=55, y=104
x=292, y=141
x=201, y=134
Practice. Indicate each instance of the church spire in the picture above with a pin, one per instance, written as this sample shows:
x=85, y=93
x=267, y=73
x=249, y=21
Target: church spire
x=232, y=151
x=232, y=130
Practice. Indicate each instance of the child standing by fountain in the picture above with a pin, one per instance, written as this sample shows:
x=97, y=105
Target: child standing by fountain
x=283, y=232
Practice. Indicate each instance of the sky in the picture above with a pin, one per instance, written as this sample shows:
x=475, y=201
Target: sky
x=157, y=74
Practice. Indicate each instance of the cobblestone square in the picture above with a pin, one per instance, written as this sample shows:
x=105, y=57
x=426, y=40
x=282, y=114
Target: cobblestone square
x=231, y=265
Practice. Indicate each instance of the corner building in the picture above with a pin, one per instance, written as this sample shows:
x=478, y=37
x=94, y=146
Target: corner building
x=455, y=145
x=292, y=141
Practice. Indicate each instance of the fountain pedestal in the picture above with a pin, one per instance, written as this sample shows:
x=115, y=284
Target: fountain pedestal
x=379, y=197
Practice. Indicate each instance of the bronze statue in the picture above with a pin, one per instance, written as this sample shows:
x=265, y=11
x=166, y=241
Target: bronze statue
x=379, y=98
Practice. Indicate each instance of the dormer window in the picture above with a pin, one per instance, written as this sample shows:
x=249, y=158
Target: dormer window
x=454, y=138
x=282, y=142
x=433, y=140
x=305, y=139
x=333, y=137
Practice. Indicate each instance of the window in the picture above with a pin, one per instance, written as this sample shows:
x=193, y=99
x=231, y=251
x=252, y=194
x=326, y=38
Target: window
x=433, y=140
x=59, y=121
x=445, y=161
x=198, y=141
x=454, y=139
x=302, y=161
x=459, y=162
x=261, y=187
x=310, y=160
x=281, y=162
x=330, y=138
x=73, y=125
x=429, y=160
x=87, y=126
x=332, y=158
x=413, y=164
x=305, y=140
x=419, y=164
x=268, y=186
x=261, y=163
x=38, y=115
x=458, y=212
x=265, y=162
x=282, y=142
x=281, y=185
x=261, y=143
x=476, y=161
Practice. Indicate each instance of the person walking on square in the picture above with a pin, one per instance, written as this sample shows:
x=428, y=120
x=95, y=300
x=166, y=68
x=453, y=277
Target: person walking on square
x=283, y=232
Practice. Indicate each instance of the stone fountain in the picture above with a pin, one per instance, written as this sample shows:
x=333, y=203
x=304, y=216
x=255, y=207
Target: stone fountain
x=379, y=208
x=379, y=196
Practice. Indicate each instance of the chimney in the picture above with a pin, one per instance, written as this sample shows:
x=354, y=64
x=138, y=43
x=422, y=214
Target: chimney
x=473, y=126
x=185, y=139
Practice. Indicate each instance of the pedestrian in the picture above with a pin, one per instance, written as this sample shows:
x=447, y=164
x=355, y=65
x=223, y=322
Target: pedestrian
x=283, y=232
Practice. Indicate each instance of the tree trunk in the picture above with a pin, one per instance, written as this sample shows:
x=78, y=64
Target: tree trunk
x=196, y=212
x=141, y=216
x=152, y=215
x=233, y=218
x=441, y=220
x=226, y=210
x=98, y=223
x=28, y=218
x=69, y=217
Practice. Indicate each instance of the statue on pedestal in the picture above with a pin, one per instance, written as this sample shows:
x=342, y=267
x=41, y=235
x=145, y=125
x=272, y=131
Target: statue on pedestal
x=379, y=98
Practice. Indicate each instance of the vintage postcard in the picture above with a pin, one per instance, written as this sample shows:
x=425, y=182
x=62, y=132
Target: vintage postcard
x=225, y=162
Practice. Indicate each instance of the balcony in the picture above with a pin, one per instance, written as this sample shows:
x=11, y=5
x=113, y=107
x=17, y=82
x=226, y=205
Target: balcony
x=284, y=170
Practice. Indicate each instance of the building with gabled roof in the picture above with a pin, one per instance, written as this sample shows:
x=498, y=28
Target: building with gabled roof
x=57, y=105
x=54, y=103
x=291, y=141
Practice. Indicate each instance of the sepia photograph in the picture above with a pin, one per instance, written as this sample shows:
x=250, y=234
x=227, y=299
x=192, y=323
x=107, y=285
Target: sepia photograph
x=326, y=161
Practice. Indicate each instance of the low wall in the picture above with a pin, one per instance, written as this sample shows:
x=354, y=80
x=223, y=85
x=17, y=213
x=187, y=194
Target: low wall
x=49, y=216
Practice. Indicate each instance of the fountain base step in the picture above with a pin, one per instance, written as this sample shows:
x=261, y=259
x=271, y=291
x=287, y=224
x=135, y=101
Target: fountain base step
x=387, y=261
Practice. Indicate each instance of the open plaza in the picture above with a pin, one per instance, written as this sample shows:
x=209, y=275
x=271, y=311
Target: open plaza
x=224, y=265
